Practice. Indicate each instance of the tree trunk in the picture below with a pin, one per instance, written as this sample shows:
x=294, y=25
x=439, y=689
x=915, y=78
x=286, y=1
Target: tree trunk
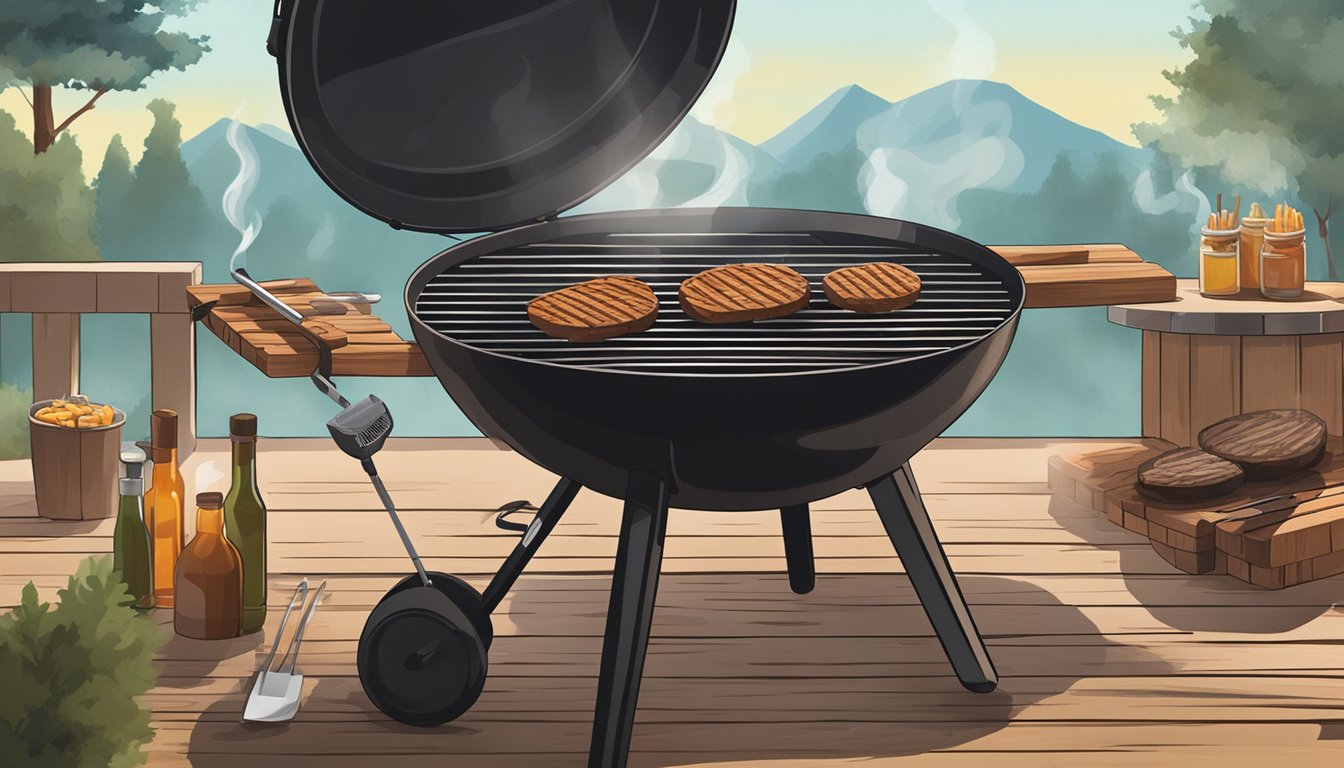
x=1323, y=227
x=44, y=122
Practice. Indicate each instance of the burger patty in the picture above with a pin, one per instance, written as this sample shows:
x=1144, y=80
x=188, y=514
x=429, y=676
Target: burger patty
x=871, y=288
x=595, y=309
x=739, y=293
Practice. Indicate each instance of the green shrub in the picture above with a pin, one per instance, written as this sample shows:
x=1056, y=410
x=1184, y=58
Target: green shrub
x=14, y=404
x=70, y=675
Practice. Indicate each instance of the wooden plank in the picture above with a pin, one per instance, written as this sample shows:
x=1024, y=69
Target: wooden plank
x=777, y=699
x=173, y=287
x=65, y=291
x=4, y=291
x=1270, y=372
x=128, y=292
x=1215, y=380
x=1097, y=284
x=1322, y=382
x=1151, y=395
x=233, y=295
x=1039, y=255
x=172, y=339
x=1175, y=388
x=55, y=355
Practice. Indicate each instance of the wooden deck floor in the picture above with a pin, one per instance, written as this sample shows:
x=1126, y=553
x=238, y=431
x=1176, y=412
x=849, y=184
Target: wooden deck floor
x=1108, y=656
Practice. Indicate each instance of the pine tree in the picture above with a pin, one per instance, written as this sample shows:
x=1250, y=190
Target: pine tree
x=111, y=190
x=166, y=212
x=46, y=208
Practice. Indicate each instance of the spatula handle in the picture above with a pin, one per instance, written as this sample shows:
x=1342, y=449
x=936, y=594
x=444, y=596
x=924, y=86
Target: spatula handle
x=298, y=634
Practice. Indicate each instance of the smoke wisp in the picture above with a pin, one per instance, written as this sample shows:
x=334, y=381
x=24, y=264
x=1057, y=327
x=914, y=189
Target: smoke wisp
x=246, y=221
x=922, y=154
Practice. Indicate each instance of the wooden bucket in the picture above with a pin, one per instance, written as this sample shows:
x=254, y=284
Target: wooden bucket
x=75, y=470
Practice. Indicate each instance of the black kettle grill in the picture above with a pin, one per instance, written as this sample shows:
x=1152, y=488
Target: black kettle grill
x=497, y=117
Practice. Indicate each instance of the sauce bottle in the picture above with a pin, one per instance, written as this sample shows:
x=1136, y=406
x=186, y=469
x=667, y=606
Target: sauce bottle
x=131, y=552
x=164, y=503
x=209, y=578
x=245, y=519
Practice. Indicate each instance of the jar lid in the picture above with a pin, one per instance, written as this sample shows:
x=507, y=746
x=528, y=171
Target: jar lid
x=210, y=500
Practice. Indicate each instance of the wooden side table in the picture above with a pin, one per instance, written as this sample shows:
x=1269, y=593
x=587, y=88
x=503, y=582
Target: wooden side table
x=1205, y=359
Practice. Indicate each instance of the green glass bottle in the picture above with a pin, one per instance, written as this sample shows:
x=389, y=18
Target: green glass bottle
x=245, y=519
x=131, y=552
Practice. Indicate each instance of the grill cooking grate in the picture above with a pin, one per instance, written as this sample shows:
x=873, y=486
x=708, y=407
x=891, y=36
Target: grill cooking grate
x=483, y=303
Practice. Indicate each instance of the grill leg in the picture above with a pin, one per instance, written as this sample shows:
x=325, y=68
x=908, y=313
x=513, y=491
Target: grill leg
x=797, y=526
x=907, y=522
x=542, y=524
x=634, y=583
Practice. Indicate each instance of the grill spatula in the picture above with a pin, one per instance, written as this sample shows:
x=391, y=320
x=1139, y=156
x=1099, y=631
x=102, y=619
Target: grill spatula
x=275, y=694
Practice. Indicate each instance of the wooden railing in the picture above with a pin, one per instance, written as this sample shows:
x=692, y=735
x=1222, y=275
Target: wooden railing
x=56, y=294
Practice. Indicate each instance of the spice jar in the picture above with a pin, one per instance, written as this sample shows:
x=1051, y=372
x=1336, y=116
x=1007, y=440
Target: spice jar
x=1218, y=266
x=1283, y=264
x=1252, y=240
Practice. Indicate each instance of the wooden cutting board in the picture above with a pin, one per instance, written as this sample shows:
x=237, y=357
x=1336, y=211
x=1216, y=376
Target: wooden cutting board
x=1087, y=275
x=1055, y=276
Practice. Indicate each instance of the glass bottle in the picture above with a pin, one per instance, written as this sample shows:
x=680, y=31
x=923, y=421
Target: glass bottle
x=164, y=503
x=1283, y=264
x=209, y=578
x=131, y=552
x=1218, y=262
x=245, y=519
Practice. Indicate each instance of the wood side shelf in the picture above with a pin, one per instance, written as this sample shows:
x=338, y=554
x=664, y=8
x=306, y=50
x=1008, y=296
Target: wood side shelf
x=364, y=345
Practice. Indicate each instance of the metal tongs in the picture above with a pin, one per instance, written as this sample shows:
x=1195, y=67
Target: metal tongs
x=361, y=428
x=275, y=694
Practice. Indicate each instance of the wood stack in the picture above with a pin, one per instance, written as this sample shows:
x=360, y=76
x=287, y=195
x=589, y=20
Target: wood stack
x=1286, y=542
x=1295, y=536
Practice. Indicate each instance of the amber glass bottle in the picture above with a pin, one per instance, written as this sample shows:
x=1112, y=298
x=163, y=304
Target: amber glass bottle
x=245, y=519
x=209, y=578
x=164, y=503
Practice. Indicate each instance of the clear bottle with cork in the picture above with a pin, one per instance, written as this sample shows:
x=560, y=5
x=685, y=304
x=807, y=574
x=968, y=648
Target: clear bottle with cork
x=209, y=578
x=132, y=555
x=245, y=519
x=164, y=503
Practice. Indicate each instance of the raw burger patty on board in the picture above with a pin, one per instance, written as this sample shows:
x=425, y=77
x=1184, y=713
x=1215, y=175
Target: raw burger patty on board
x=738, y=293
x=595, y=309
x=1187, y=475
x=871, y=288
x=1267, y=444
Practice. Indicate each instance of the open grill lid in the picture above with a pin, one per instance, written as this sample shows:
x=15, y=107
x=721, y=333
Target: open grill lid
x=475, y=116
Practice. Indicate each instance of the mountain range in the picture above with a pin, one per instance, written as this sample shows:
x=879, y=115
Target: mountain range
x=934, y=144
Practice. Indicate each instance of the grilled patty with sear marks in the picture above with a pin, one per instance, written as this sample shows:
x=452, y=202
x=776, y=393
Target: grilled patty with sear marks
x=871, y=288
x=738, y=293
x=1188, y=474
x=595, y=309
x=1267, y=444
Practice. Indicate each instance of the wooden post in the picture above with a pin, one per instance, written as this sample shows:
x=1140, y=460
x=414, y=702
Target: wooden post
x=55, y=354
x=172, y=340
x=4, y=307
